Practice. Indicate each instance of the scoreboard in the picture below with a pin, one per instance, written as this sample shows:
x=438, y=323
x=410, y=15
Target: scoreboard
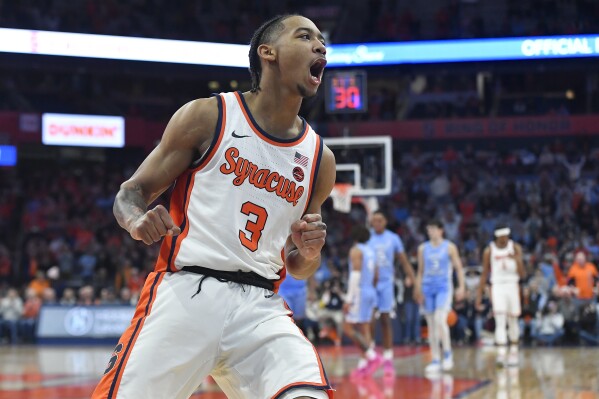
x=345, y=92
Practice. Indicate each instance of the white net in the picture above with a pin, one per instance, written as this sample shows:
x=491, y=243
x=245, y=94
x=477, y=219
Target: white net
x=342, y=197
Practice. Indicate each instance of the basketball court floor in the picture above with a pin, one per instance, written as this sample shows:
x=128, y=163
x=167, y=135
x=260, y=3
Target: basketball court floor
x=57, y=372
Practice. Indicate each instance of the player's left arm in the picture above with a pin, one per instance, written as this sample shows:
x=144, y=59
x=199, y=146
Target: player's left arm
x=459, y=269
x=519, y=261
x=302, y=250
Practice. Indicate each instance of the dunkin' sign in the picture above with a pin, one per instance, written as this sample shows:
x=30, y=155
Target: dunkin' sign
x=83, y=130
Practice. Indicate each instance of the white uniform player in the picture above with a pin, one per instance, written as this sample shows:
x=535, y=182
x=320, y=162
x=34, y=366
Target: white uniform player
x=502, y=260
x=241, y=214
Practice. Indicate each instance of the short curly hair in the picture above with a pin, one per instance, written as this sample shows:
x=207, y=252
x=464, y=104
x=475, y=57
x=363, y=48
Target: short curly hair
x=264, y=34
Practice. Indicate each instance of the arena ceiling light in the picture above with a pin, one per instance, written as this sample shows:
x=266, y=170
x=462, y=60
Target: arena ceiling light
x=236, y=55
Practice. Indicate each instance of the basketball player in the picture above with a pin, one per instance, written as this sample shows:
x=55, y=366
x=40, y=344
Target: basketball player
x=502, y=259
x=295, y=293
x=361, y=300
x=250, y=177
x=435, y=287
x=387, y=247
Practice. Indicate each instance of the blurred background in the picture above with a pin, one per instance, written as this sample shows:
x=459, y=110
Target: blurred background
x=475, y=143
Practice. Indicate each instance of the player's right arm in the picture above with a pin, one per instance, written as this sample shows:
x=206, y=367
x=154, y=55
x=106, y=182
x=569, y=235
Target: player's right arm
x=418, y=286
x=483, y=276
x=188, y=133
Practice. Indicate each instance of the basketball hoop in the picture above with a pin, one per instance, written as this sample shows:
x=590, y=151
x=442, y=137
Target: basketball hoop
x=342, y=197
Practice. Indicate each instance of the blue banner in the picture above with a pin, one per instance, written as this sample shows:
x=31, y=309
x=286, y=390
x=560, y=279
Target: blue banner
x=469, y=50
x=8, y=155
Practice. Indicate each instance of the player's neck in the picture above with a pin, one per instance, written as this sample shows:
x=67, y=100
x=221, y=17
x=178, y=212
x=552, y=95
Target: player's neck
x=275, y=111
x=437, y=242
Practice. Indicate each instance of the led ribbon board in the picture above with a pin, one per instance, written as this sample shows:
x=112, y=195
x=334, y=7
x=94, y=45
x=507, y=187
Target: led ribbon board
x=340, y=55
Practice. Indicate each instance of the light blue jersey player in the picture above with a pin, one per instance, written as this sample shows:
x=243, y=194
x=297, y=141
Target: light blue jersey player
x=436, y=260
x=388, y=248
x=363, y=304
x=361, y=300
x=295, y=293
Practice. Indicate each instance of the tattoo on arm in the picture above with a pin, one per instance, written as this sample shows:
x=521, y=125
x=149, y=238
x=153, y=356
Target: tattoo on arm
x=129, y=204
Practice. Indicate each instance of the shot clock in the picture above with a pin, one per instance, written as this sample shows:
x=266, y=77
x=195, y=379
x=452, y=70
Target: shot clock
x=345, y=92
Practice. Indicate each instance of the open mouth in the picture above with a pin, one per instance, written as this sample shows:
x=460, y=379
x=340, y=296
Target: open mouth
x=316, y=70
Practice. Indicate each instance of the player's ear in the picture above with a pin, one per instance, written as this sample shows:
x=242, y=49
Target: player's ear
x=267, y=52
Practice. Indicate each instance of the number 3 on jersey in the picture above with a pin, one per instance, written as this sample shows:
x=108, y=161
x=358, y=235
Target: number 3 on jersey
x=253, y=228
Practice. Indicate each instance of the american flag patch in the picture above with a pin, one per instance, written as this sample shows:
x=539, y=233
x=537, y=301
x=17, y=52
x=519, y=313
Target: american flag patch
x=300, y=159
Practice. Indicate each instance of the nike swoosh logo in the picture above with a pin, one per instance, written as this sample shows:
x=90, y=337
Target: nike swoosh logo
x=237, y=136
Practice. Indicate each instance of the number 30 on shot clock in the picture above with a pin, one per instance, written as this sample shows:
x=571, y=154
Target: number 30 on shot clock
x=346, y=92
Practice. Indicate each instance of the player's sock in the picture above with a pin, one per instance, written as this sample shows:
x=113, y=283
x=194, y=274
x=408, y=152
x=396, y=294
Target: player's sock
x=371, y=354
x=444, y=336
x=388, y=354
x=433, y=337
x=501, y=355
x=500, y=333
x=362, y=363
x=513, y=329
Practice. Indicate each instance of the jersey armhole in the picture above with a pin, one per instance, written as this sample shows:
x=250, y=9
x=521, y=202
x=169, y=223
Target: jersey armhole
x=315, y=168
x=217, y=138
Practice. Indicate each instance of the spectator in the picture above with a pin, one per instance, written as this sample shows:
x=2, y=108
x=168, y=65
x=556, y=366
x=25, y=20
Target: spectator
x=108, y=297
x=31, y=311
x=125, y=297
x=86, y=296
x=583, y=275
x=39, y=283
x=549, y=325
x=332, y=314
x=68, y=297
x=136, y=281
x=11, y=309
x=451, y=224
x=49, y=296
x=589, y=324
x=412, y=314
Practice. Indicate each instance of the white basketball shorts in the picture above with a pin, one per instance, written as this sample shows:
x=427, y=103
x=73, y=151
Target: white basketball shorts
x=243, y=336
x=505, y=299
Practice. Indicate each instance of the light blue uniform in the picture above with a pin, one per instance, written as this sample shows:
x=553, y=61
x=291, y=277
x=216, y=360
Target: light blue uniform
x=385, y=246
x=437, y=285
x=362, y=308
x=295, y=293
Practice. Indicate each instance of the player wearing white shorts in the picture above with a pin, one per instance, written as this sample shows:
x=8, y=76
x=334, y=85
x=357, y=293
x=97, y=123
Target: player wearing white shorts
x=360, y=300
x=502, y=259
x=250, y=177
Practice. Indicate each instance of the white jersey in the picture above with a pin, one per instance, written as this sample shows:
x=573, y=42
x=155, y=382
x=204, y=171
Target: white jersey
x=503, y=266
x=236, y=204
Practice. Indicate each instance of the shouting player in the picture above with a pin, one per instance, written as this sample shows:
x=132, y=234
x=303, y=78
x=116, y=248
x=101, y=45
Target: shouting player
x=249, y=177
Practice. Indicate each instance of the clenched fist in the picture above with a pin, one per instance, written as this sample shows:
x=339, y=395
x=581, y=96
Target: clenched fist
x=308, y=234
x=153, y=225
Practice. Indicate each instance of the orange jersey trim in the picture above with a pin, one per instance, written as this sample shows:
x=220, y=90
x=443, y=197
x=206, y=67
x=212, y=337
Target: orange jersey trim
x=108, y=386
x=324, y=385
x=314, y=172
x=282, y=273
x=263, y=134
x=182, y=193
